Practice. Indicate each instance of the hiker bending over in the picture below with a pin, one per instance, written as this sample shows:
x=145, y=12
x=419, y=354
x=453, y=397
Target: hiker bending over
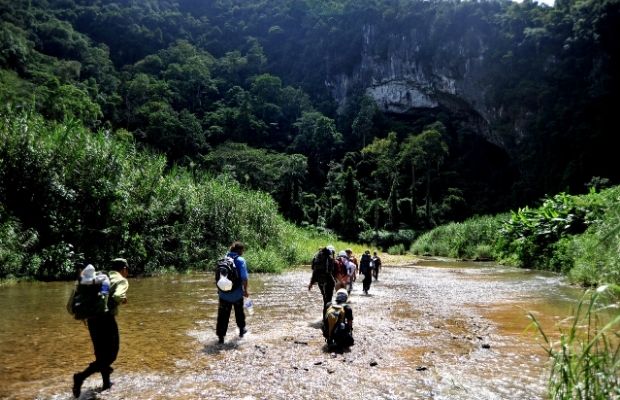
x=233, y=297
x=323, y=273
x=338, y=323
x=104, y=330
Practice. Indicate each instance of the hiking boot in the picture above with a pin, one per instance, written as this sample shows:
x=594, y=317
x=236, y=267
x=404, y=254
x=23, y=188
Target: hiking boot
x=106, y=381
x=242, y=332
x=220, y=339
x=78, y=379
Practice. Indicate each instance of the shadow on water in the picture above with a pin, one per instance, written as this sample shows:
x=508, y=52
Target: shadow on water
x=431, y=329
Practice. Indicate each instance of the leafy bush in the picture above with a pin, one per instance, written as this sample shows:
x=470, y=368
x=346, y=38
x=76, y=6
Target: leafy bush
x=474, y=238
x=397, y=249
x=597, y=252
x=385, y=239
x=68, y=195
x=576, y=235
x=529, y=237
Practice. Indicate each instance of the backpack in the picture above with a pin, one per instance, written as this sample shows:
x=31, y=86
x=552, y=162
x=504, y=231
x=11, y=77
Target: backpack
x=88, y=301
x=323, y=261
x=334, y=315
x=334, y=328
x=365, y=263
x=225, y=268
x=340, y=268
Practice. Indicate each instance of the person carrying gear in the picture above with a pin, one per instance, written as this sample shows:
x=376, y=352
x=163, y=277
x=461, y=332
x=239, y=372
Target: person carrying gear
x=323, y=267
x=338, y=323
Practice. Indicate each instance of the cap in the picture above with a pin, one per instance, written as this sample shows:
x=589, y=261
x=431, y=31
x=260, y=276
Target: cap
x=342, y=295
x=342, y=253
x=119, y=263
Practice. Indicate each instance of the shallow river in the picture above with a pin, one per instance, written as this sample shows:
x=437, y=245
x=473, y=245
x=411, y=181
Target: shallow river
x=428, y=330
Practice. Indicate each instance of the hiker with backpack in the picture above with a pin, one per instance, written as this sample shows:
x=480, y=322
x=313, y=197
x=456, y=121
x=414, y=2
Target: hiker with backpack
x=341, y=276
x=323, y=268
x=353, y=259
x=232, y=286
x=376, y=261
x=338, y=323
x=349, y=267
x=366, y=270
x=100, y=317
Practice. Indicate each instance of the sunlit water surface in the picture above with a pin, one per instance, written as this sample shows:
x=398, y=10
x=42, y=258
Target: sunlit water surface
x=434, y=329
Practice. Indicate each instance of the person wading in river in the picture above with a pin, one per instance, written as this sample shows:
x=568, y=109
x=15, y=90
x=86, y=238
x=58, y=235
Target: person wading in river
x=338, y=323
x=376, y=261
x=233, y=298
x=323, y=269
x=366, y=270
x=104, y=330
x=353, y=259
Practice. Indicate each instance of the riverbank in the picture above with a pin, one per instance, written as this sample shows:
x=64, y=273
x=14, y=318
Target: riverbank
x=578, y=236
x=428, y=329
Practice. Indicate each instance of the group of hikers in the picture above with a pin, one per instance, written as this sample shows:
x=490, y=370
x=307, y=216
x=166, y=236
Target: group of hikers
x=97, y=297
x=338, y=272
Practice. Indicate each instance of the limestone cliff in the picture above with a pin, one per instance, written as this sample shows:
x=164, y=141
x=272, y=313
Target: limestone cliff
x=406, y=72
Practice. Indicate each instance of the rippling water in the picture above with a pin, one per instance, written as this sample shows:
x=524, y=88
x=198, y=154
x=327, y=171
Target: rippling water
x=440, y=330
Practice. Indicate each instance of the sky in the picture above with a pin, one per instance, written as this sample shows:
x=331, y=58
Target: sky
x=547, y=2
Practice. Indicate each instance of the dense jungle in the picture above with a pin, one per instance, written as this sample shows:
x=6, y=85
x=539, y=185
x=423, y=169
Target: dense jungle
x=125, y=124
x=471, y=143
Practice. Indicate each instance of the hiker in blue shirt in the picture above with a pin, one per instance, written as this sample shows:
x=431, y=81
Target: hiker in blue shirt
x=233, y=298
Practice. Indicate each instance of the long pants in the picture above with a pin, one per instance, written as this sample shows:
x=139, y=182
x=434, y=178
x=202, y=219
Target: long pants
x=327, y=290
x=223, y=316
x=367, y=280
x=104, y=335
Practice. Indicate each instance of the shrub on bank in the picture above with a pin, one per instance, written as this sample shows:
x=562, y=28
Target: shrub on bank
x=473, y=239
x=68, y=194
x=576, y=235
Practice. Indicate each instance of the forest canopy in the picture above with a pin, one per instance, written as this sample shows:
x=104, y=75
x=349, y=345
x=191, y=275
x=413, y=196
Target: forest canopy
x=248, y=91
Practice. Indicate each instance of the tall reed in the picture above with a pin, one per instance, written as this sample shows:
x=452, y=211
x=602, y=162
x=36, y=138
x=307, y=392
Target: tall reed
x=585, y=360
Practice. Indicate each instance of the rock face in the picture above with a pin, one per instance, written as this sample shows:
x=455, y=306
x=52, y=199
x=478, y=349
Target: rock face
x=406, y=72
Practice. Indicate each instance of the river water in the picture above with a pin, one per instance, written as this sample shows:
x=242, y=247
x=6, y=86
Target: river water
x=427, y=330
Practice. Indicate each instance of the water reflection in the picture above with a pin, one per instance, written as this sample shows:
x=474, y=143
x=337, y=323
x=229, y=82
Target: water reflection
x=442, y=330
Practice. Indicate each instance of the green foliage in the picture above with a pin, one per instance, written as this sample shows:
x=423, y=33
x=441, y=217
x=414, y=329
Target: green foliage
x=398, y=249
x=68, y=195
x=576, y=235
x=531, y=235
x=185, y=77
x=585, y=360
x=385, y=239
x=596, y=253
x=475, y=238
